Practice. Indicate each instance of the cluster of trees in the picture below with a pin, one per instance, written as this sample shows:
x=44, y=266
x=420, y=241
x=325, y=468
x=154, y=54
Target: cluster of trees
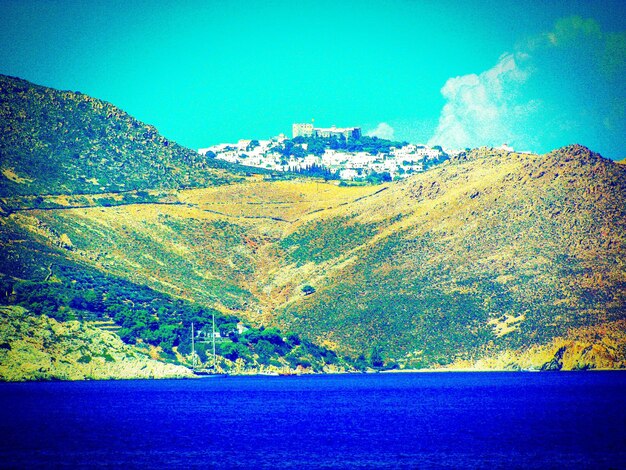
x=156, y=318
x=142, y=313
x=317, y=145
x=266, y=346
x=318, y=171
x=378, y=178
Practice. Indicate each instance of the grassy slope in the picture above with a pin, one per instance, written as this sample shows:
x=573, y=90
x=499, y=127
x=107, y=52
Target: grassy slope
x=491, y=252
x=63, y=142
x=508, y=251
x=498, y=252
x=210, y=248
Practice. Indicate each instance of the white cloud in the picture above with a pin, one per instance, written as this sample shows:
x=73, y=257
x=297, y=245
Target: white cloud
x=480, y=109
x=382, y=131
x=560, y=85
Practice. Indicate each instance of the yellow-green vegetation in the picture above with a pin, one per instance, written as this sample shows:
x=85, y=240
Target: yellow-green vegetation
x=40, y=348
x=162, y=325
x=64, y=142
x=212, y=248
x=497, y=249
x=594, y=347
x=488, y=255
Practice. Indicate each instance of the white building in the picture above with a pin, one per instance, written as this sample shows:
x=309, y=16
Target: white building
x=400, y=162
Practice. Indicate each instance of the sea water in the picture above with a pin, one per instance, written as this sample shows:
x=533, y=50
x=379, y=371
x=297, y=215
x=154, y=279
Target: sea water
x=422, y=420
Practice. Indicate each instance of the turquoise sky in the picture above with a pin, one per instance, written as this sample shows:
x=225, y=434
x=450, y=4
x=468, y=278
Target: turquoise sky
x=536, y=75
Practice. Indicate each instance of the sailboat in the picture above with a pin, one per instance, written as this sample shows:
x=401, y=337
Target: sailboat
x=204, y=372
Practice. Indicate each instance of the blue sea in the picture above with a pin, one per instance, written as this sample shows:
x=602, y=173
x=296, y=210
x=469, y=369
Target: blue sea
x=422, y=420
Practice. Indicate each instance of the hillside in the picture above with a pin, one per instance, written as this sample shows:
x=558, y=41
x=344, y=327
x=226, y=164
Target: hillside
x=64, y=142
x=40, y=348
x=591, y=347
x=493, y=252
x=490, y=253
x=488, y=256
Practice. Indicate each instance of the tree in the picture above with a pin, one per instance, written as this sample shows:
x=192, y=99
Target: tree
x=233, y=351
x=272, y=335
x=308, y=290
x=377, y=178
x=265, y=350
x=226, y=329
x=292, y=339
x=298, y=151
x=316, y=146
x=375, y=358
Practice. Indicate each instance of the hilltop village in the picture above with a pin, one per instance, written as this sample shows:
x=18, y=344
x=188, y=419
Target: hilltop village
x=341, y=152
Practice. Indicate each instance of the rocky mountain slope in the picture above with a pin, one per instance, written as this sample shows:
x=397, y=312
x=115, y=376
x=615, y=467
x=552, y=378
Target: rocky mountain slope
x=40, y=348
x=64, y=142
x=601, y=346
x=492, y=255
x=499, y=249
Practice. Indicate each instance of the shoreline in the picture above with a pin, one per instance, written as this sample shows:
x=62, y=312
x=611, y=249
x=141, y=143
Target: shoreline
x=266, y=375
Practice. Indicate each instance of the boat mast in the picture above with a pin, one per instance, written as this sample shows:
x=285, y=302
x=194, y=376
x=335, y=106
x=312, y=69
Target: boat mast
x=213, y=318
x=193, y=350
